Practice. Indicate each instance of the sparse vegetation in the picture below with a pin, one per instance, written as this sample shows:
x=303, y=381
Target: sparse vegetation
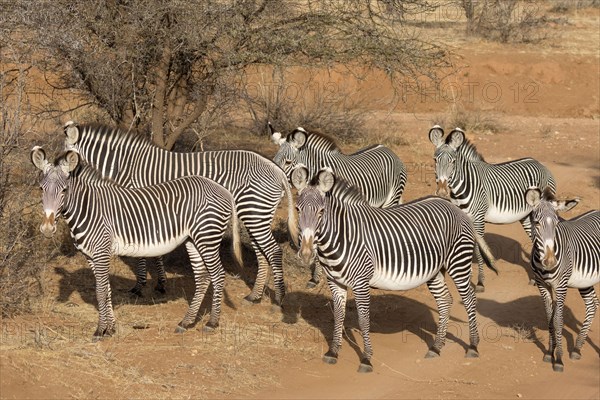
x=518, y=21
x=468, y=120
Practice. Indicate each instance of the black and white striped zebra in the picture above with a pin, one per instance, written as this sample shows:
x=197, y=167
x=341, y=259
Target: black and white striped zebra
x=257, y=185
x=396, y=248
x=106, y=219
x=376, y=170
x=564, y=254
x=486, y=192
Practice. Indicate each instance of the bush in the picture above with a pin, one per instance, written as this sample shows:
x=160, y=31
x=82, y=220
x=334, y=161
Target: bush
x=20, y=267
x=314, y=106
x=517, y=21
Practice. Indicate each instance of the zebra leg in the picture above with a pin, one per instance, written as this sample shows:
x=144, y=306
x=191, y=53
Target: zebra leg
x=202, y=280
x=591, y=306
x=269, y=253
x=526, y=223
x=140, y=278
x=467, y=295
x=338, y=297
x=479, y=225
x=362, y=296
x=316, y=274
x=438, y=288
x=162, y=276
x=212, y=260
x=548, y=305
x=557, y=320
x=106, y=319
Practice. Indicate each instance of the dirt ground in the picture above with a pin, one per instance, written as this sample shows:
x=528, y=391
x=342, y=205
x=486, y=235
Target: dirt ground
x=547, y=107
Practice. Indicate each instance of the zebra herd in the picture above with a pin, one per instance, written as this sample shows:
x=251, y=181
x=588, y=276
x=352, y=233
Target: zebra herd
x=121, y=195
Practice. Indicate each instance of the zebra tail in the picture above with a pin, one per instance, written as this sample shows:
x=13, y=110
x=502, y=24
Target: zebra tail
x=292, y=222
x=236, y=236
x=485, y=251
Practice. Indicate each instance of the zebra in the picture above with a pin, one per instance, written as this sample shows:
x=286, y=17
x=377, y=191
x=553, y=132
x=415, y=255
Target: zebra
x=396, y=248
x=486, y=192
x=566, y=253
x=257, y=185
x=376, y=170
x=106, y=219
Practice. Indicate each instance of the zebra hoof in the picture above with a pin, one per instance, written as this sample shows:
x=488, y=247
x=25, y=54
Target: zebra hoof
x=432, y=353
x=160, y=289
x=330, y=358
x=311, y=284
x=249, y=301
x=365, y=366
x=558, y=367
x=209, y=328
x=180, y=329
x=547, y=358
x=136, y=291
x=472, y=352
x=575, y=355
x=479, y=288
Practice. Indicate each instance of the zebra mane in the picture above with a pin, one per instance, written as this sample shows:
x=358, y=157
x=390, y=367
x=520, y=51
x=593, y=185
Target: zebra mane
x=88, y=174
x=468, y=150
x=329, y=144
x=347, y=193
x=120, y=136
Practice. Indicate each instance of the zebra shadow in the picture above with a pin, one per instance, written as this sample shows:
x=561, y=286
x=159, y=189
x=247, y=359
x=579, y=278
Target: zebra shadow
x=390, y=314
x=510, y=250
x=83, y=282
x=524, y=319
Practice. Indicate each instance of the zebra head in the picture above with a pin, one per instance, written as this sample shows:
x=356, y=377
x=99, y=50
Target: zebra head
x=54, y=184
x=311, y=206
x=445, y=156
x=544, y=221
x=288, y=155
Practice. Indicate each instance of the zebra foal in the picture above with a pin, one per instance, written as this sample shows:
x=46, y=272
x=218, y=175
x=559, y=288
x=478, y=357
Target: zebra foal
x=396, y=248
x=486, y=192
x=564, y=254
x=106, y=219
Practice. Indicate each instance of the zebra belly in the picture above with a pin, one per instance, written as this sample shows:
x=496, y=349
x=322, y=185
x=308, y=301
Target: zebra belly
x=497, y=216
x=385, y=281
x=580, y=281
x=126, y=248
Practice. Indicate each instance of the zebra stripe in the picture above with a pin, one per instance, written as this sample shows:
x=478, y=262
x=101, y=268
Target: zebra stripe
x=106, y=219
x=256, y=184
x=564, y=254
x=396, y=248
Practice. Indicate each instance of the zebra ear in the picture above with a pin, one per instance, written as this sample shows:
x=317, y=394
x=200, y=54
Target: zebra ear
x=275, y=136
x=71, y=132
x=436, y=135
x=300, y=177
x=565, y=205
x=69, y=161
x=533, y=197
x=326, y=180
x=456, y=138
x=298, y=137
x=38, y=158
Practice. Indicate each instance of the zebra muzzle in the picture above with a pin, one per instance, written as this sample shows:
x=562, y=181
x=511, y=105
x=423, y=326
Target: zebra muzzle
x=442, y=189
x=48, y=227
x=306, y=250
x=549, y=260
